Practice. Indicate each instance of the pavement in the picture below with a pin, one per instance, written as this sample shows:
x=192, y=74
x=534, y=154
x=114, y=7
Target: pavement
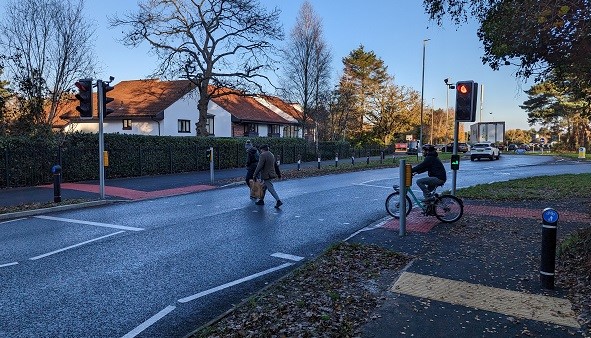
x=478, y=277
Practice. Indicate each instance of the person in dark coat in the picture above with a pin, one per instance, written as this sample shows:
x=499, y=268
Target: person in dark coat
x=435, y=170
x=252, y=159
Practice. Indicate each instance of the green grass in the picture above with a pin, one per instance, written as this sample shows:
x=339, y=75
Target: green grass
x=539, y=188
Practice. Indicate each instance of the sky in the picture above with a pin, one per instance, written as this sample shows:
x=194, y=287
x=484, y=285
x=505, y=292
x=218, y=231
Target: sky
x=394, y=30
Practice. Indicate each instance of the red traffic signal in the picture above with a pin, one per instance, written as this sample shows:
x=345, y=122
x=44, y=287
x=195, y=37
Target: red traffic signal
x=466, y=98
x=463, y=88
x=85, y=97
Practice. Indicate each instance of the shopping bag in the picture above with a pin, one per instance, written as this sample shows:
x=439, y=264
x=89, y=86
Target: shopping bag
x=256, y=189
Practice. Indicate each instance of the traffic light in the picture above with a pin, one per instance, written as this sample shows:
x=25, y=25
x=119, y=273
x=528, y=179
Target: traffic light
x=105, y=99
x=466, y=98
x=455, y=162
x=85, y=97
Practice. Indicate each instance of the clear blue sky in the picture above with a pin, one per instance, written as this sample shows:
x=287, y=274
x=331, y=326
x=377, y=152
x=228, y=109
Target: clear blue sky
x=394, y=30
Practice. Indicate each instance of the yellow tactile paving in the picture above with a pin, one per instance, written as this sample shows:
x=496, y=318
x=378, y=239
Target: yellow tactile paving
x=536, y=307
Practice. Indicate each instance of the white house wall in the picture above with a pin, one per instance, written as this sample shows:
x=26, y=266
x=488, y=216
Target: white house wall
x=116, y=126
x=222, y=121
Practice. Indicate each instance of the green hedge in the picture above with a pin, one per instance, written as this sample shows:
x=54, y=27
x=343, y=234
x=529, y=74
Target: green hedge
x=28, y=161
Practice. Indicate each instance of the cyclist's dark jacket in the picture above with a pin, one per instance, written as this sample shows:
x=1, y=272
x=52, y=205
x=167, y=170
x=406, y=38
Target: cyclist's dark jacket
x=432, y=165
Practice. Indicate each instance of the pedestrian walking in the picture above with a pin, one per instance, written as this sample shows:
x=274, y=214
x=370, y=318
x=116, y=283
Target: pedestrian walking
x=252, y=159
x=269, y=170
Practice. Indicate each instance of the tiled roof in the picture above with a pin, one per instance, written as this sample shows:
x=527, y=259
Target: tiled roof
x=284, y=106
x=247, y=109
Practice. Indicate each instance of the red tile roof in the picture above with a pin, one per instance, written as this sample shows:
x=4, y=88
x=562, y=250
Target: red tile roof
x=247, y=109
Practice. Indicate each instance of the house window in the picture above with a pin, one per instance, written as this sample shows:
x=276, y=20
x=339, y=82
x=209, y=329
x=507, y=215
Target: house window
x=251, y=129
x=127, y=124
x=209, y=125
x=274, y=130
x=184, y=126
x=290, y=131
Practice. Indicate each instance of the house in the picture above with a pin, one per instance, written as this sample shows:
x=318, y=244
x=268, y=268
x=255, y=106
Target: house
x=169, y=108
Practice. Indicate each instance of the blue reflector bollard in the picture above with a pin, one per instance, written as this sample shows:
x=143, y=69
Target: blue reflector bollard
x=549, y=228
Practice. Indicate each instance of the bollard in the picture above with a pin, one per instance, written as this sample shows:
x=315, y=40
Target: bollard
x=299, y=164
x=57, y=179
x=352, y=160
x=549, y=228
x=367, y=159
x=336, y=160
x=318, y=162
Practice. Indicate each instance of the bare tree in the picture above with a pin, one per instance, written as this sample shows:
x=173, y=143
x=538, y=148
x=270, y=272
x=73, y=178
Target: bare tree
x=224, y=43
x=50, y=45
x=307, y=61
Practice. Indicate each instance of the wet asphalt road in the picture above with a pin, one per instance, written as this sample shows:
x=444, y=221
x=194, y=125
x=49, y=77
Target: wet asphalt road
x=165, y=266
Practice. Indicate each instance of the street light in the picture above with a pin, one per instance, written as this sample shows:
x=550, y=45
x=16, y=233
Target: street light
x=449, y=86
x=420, y=151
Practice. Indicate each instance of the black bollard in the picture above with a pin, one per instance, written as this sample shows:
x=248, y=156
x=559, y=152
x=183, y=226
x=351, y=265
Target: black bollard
x=352, y=160
x=57, y=179
x=318, y=162
x=336, y=160
x=549, y=227
x=299, y=162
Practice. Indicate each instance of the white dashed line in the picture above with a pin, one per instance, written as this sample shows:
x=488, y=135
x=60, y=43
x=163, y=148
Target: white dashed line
x=287, y=256
x=74, y=246
x=149, y=322
x=8, y=264
x=104, y=225
x=230, y=284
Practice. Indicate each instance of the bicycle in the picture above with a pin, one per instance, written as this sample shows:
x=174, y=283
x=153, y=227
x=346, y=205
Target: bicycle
x=447, y=208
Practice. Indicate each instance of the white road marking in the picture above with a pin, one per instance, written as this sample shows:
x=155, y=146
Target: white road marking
x=8, y=264
x=287, y=256
x=74, y=246
x=375, y=186
x=104, y=225
x=230, y=284
x=150, y=321
x=13, y=220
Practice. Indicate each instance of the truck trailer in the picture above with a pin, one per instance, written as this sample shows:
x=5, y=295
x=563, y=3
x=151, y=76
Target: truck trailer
x=487, y=132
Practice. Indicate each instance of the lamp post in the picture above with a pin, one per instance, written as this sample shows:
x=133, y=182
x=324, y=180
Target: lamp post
x=449, y=86
x=420, y=146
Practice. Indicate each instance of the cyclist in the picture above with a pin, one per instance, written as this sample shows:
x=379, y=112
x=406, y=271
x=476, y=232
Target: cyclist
x=434, y=168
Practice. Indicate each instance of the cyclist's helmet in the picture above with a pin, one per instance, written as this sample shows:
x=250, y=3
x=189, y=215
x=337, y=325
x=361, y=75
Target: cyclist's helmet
x=428, y=148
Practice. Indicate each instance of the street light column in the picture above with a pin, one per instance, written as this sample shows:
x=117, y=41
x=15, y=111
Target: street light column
x=420, y=150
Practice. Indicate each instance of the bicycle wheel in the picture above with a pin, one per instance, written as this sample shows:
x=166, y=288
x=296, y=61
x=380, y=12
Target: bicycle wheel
x=393, y=204
x=448, y=208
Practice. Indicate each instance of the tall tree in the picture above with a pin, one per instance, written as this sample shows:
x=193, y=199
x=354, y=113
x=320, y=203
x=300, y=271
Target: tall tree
x=50, y=45
x=224, y=43
x=366, y=74
x=540, y=36
x=397, y=112
x=306, y=64
x=551, y=105
x=5, y=95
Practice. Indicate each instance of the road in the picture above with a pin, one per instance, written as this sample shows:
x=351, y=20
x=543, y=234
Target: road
x=163, y=267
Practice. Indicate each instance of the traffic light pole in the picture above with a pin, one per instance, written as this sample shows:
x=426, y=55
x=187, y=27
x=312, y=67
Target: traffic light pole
x=101, y=113
x=455, y=152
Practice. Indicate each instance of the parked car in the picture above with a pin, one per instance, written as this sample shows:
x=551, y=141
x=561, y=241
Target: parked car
x=440, y=147
x=462, y=147
x=512, y=147
x=485, y=149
